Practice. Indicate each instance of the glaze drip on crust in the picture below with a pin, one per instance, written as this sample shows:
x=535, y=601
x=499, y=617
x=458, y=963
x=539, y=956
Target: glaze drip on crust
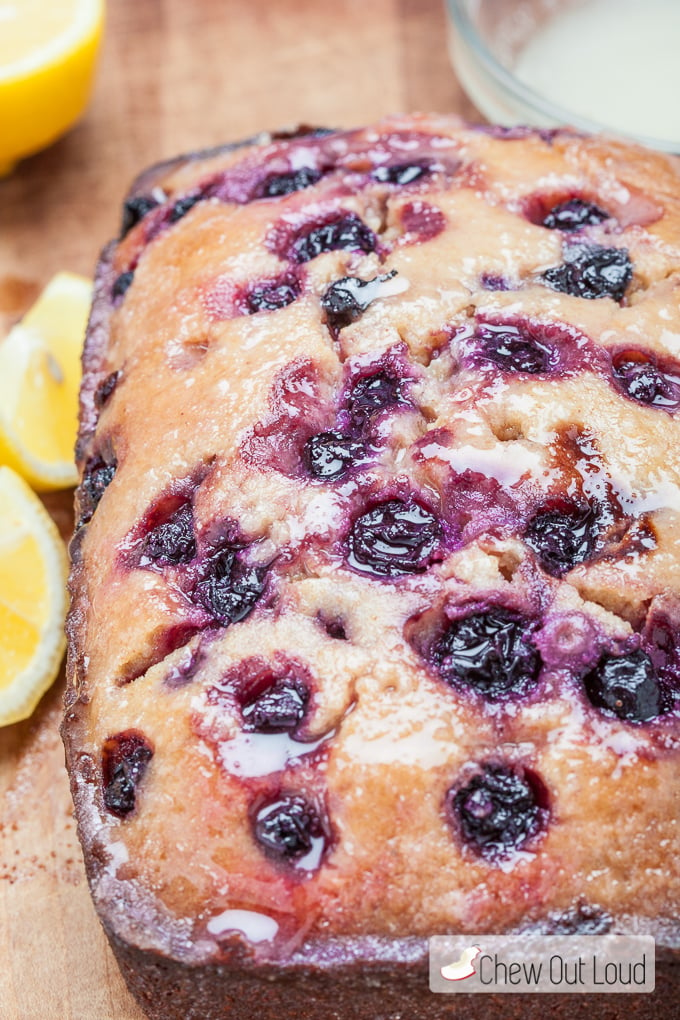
x=376, y=611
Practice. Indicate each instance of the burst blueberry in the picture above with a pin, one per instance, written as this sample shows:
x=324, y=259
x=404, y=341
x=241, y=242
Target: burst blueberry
x=228, y=587
x=345, y=232
x=591, y=271
x=394, y=538
x=562, y=534
x=499, y=810
x=371, y=394
x=627, y=686
x=171, y=541
x=125, y=758
x=490, y=652
x=328, y=455
x=278, y=708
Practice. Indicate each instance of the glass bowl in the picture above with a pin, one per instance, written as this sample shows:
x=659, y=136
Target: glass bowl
x=598, y=65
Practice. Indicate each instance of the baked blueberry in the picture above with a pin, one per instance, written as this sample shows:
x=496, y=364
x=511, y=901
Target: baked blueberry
x=279, y=707
x=125, y=758
x=395, y=537
x=346, y=232
x=562, y=534
x=573, y=215
x=287, y=828
x=371, y=394
x=347, y=299
x=103, y=392
x=171, y=541
x=491, y=652
x=499, y=810
x=97, y=476
x=134, y=210
x=400, y=173
x=271, y=295
x=591, y=271
x=122, y=284
x=328, y=455
x=628, y=686
x=285, y=184
x=228, y=587
x=183, y=205
x=638, y=376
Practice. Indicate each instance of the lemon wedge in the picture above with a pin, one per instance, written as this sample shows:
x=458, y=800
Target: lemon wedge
x=48, y=53
x=33, y=569
x=39, y=380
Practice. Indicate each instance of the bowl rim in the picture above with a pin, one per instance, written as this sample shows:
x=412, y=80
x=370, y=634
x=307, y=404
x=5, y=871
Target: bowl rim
x=458, y=9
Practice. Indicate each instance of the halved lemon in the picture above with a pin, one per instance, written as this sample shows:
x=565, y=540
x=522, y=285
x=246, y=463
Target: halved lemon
x=48, y=50
x=39, y=381
x=33, y=570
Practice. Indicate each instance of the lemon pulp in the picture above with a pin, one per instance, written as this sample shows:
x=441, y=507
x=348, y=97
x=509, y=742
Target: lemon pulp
x=33, y=569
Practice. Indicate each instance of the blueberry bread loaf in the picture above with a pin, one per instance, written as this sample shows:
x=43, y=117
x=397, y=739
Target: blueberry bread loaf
x=376, y=577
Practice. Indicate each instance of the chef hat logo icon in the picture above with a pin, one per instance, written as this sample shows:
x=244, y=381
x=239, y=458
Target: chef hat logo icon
x=463, y=967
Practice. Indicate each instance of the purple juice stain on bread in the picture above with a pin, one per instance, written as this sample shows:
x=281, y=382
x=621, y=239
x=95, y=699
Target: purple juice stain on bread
x=421, y=221
x=527, y=346
x=647, y=378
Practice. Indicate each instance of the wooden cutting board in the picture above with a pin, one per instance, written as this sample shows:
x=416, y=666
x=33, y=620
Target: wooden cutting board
x=174, y=76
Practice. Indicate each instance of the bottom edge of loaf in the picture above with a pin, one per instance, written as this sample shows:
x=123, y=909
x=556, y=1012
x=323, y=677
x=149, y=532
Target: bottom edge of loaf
x=166, y=989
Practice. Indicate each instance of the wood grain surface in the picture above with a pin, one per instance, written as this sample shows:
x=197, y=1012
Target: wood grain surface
x=175, y=75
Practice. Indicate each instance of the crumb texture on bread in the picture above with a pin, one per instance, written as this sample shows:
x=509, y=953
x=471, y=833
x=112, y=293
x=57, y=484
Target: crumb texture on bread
x=376, y=579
